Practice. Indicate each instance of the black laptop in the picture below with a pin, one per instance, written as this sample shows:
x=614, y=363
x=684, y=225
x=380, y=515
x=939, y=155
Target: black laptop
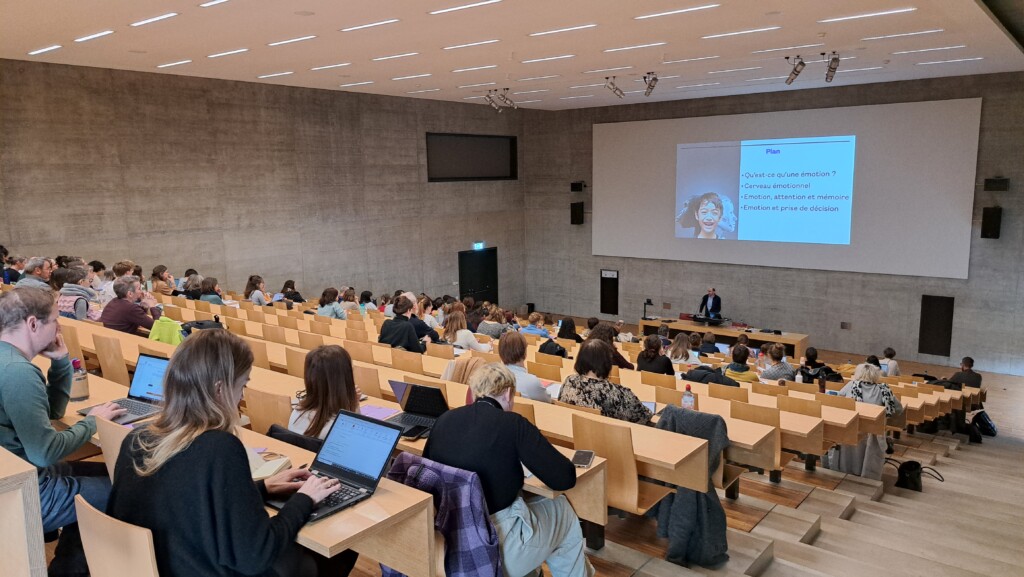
x=421, y=405
x=146, y=394
x=355, y=452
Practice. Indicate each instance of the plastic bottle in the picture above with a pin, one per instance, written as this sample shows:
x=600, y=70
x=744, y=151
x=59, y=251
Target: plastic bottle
x=688, y=398
x=79, y=381
x=799, y=377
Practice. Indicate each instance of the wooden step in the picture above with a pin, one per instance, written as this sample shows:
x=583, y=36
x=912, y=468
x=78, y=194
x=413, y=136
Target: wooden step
x=661, y=568
x=745, y=513
x=811, y=558
x=912, y=454
x=960, y=498
x=866, y=488
x=786, y=492
x=782, y=568
x=790, y=524
x=820, y=477
x=748, y=554
x=829, y=503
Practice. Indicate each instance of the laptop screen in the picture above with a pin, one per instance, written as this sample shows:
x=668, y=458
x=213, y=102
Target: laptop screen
x=722, y=348
x=420, y=399
x=148, y=382
x=357, y=448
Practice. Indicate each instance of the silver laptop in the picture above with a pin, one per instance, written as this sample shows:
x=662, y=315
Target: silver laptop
x=146, y=394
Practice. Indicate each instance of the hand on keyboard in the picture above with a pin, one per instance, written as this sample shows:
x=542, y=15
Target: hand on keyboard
x=319, y=488
x=108, y=411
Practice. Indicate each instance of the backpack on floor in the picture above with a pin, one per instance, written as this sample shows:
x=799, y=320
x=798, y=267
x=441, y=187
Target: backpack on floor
x=984, y=424
x=908, y=474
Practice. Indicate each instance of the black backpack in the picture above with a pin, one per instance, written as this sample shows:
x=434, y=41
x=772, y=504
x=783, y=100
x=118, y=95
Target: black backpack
x=187, y=328
x=908, y=474
x=984, y=424
x=552, y=348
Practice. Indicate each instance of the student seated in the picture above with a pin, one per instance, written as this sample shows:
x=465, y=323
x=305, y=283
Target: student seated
x=679, y=351
x=254, y=291
x=494, y=325
x=488, y=439
x=398, y=331
x=743, y=339
x=289, y=292
x=890, y=367
x=366, y=301
x=330, y=387
x=738, y=370
x=348, y=300
x=76, y=298
x=590, y=386
x=777, y=368
x=707, y=346
x=186, y=478
x=210, y=292
x=591, y=323
x=426, y=314
x=329, y=305
x=536, y=326
x=421, y=327
x=36, y=273
x=966, y=376
x=866, y=458
x=512, y=350
x=120, y=269
x=192, y=288
x=811, y=359
x=28, y=402
x=567, y=330
x=163, y=281
x=460, y=336
x=606, y=333
x=132, y=309
x=652, y=358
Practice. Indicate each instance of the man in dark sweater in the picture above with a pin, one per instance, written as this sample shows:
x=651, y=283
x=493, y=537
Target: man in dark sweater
x=131, y=309
x=399, y=331
x=488, y=439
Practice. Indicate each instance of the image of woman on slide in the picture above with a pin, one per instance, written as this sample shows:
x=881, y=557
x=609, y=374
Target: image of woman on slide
x=709, y=215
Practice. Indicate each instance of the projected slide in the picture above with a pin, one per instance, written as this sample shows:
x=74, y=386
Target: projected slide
x=782, y=190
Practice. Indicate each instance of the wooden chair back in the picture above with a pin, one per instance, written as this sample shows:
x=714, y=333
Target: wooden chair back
x=487, y=357
x=421, y=380
x=72, y=343
x=588, y=410
x=482, y=339
x=318, y=327
x=531, y=339
x=288, y=322
x=567, y=344
x=144, y=350
x=260, y=358
x=440, y=351
x=355, y=324
x=237, y=326
x=359, y=350
x=549, y=372
x=310, y=341
x=836, y=401
x=546, y=359
x=407, y=361
x=230, y=312
x=202, y=306
x=112, y=363
x=179, y=301
x=811, y=388
x=359, y=336
x=114, y=548
x=763, y=415
x=673, y=397
x=203, y=316
x=526, y=411
x=275, y=334
x=265, y=409
x=367, y=380
x=728, y=393
x=658, y=380
x=763, y=389
x=834, y=386
x=173, y=313
x=797, y=405
x=296, y=359
x=256, y=315
x=111, y=436
x=280, y=305
x=245, y=305
x=297, y=313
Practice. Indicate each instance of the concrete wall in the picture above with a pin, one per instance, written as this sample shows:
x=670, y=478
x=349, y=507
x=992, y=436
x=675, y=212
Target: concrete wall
x=884, y=310
x=232, y=178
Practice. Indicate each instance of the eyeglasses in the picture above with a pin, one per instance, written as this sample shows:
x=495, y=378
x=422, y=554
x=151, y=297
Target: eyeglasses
x=299, y=395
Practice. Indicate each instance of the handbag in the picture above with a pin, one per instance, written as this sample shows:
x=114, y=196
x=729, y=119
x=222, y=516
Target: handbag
x=908, y=474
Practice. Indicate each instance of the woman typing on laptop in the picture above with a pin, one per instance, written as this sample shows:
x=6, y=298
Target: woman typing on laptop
x=186, y=477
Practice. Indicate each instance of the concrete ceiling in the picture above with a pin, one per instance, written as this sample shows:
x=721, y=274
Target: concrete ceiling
x=689, y=62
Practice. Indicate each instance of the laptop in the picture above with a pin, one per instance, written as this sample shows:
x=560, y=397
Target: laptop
x=146, y=394
x=355, y=452
x=421, y=405
x=722, y=348
x=277, y=297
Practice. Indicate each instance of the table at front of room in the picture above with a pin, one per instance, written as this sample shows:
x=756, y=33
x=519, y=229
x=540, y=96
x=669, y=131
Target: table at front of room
x=795, y=343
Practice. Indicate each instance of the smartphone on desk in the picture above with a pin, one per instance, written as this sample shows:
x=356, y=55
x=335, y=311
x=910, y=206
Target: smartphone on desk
x=417, y=432
x=583, y=459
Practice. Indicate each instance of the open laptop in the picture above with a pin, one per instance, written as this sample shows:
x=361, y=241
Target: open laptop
x=421, y=405
x=355, y=452
x=146, y=394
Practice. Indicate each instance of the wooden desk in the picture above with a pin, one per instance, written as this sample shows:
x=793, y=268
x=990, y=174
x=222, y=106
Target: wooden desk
x=21, y=532
x=871, y=417
x=795, y=343
x=840, y=425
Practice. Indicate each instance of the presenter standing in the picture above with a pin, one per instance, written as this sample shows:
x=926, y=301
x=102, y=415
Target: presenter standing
x=711, y=304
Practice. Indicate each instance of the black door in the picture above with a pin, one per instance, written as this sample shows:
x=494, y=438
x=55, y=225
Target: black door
x=478, y=274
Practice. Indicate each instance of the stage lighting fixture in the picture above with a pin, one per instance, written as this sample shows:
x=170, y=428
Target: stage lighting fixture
x=491, y=100
x=610, y=85
x=651, y=78
x=833, y=65
x=798, y=67
x=508, y=102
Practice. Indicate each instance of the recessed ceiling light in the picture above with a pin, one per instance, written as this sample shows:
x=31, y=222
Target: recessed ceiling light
x=671, y=12
x=689, y=59
x=370, y=25
x=96, y=35
x=587, y=85
x=581, y=96
x=738, y=32
x=331, y=66
x=424, y=90
x=475, y=68
x=766, y=78
x=464, y=6
x=637, y=46
x=862, y=69
x=475, y=85
x=607, y=70
x=904, y=34
x=867, y=15
x=549, y=58
x=634, y=91
x=734, y=70
x=570, y=29
x=482, y=42
x=527, y=101
x=787, y=48
x=212, y=3
x=538, y=77
x=659, y=78
x=699, y=85
x=228, y=53
x=395, y=56
x=930, y=49
x=178, y=63
x=42, y=50
x=532, y=91
x=290, y=40
x=155, y=19
x=950, y=61
x=275, y=74
x=355, y=84
x=411, y=76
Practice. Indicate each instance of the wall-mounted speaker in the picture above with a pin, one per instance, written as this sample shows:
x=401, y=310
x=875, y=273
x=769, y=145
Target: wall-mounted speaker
x=991, y=221
x=997, y=184
x=576, y=213
x=577, y=186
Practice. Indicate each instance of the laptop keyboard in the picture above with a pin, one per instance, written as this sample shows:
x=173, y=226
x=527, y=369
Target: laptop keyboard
x=344, y=493
x=408, y=420
x=137, y=407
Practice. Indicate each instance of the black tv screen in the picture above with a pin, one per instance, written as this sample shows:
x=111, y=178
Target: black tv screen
x=455, y=157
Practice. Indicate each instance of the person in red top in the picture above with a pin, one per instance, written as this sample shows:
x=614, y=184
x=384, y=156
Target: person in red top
x=132, y=308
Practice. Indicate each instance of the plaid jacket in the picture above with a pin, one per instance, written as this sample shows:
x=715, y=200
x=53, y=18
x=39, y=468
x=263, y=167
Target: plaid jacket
x=471, y=543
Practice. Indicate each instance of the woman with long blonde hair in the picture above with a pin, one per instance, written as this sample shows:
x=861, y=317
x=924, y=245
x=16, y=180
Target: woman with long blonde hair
x=186, y=478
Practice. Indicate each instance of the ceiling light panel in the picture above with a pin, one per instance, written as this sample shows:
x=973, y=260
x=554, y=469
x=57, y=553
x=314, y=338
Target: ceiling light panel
x=560, y=30
x=463, y=7
x=50, y=48
x=471, y=44
x=94, y=36
x=393, y=56
x=155, y=19
x=930, y=49
x=471, y=69
x=903, y=34
x=636, y=46
x=545, y=59
x=212, y=3
x=370, y=25
x=741, y=32
x=680, y=11
x=339, y=65
x=690, y=59
x=170, y=64
x=291, y=40
x=275, y=74
x=867, y=15
x=228, y=53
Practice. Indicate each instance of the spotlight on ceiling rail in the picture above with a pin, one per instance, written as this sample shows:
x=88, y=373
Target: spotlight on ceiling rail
x=651, y=79
x=798, y=67
x=609, y=83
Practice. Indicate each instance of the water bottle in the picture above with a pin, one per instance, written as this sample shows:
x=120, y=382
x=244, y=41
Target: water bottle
x=799, y=377
x=79, y=381
x=688, y=398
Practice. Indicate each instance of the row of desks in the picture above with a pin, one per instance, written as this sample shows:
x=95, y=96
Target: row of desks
x=795, y=343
